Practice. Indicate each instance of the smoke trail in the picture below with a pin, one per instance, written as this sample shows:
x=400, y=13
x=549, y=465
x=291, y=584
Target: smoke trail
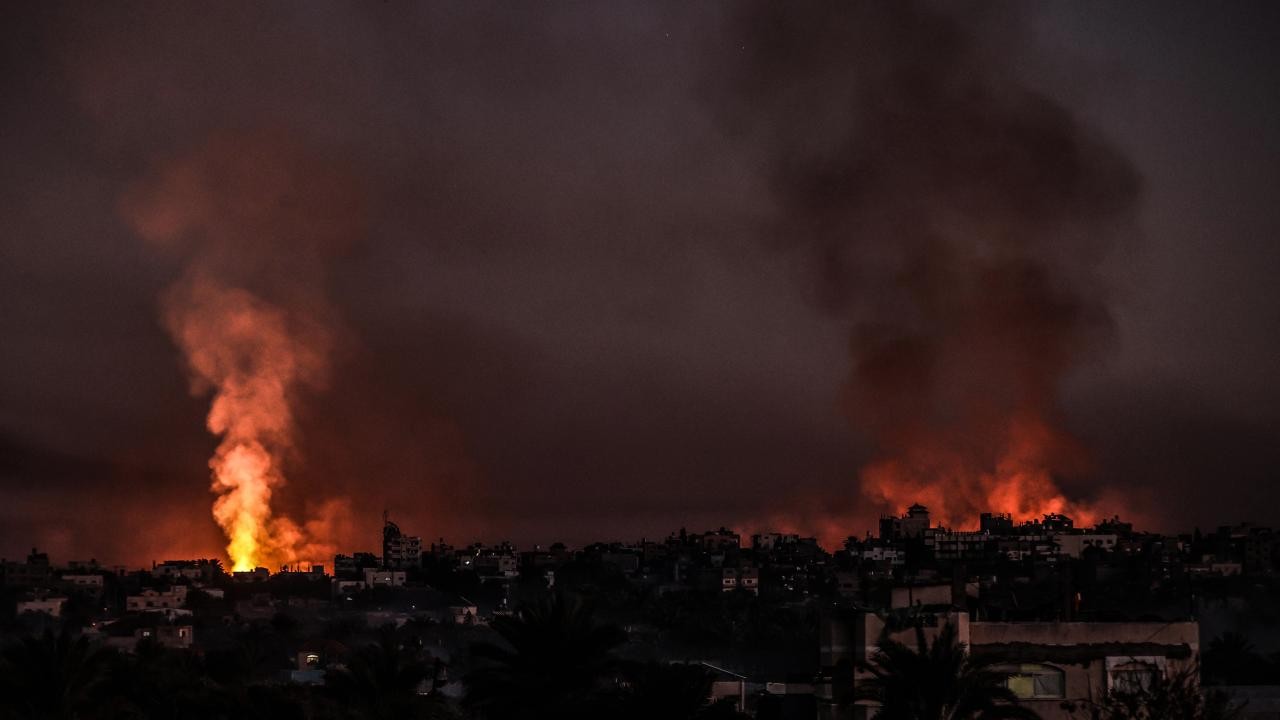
x=254, y=217
x=248, y=354
x=958, y=217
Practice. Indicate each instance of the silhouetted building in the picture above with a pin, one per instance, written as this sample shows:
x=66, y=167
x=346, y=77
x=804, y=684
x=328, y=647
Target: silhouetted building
x=911, y=525
x=996, y=523
x=35, y=572
x=399, y=551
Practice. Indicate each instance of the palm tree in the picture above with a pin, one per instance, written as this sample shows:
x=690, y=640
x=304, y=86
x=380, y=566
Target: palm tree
x=58, y=677
x=555, y=662
x=936, y=681
x=382, y=680
x=1232, y=660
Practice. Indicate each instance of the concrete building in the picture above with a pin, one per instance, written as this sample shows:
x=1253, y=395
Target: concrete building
x=880, y=553
x=352, y=566
x=1073, y=546
x=960, y=544
x=343, y=588
x=996, y=523
x=729, y=579
x=911, y=525
x=718, y=540
x=1046, y=663
x=258, y=574
x=88, y=581
x=847, y=584
x=627, y=562
x=127, y=631
x=768, y=542
x=1077, y=661
x=931, y=595
x=399, y=551
x=187, y=569
x=47, y=606
x=374, y=577
x=496, y=566
x=35, y=572
x=464, y=612
x=151, y=600
x=126, y=637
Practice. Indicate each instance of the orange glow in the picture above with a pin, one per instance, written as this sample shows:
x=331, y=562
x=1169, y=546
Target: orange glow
x=957, y=488
x=243, y=476
x=252, y=210
x=253, y=356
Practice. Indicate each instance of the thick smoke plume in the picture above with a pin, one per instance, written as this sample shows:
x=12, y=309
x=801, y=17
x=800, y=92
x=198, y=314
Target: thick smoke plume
x=253, y=218
x=959, y=217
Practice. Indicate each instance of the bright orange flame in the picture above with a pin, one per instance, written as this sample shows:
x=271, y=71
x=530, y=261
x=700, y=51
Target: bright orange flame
x=252, y=209
x=253, y=357
x=242, y=473
x=957, y=488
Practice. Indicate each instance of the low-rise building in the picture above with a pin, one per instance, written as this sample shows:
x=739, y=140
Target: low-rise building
x=913, y=524
x=151, y=600
x=1049, y=663
x=496, y=566
x=342, y=588
x=184, y=569
x=35, y=572
x=1073, y=545
x=374, y=577
x=931, y=595
x=88, y=580
x=1046, y=664
x=880, y=553
x=45, y=605
x=125, y=635
x=258, y=574
x=960, y=545
x=718, y=540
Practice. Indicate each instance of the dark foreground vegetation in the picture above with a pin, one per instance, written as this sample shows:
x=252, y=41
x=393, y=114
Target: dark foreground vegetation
x=551, y=659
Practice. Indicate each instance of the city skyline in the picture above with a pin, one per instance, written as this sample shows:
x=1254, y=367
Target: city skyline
x=988, y=524
x=538, y=272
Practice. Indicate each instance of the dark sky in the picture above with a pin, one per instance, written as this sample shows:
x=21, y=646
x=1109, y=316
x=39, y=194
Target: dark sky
x=594, y=280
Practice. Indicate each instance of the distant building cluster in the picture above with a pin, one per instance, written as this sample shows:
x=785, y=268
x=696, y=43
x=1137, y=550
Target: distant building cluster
x=1067, y=612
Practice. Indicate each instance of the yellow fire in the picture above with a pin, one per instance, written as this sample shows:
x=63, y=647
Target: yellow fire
x=253, y=356
x=242, y=479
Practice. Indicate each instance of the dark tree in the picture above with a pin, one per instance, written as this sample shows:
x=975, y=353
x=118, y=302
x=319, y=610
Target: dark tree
x=936, y=681
x=555, y=662
x=1177, y=697
x=1232, y=660
x=674, y=692
x=53, y=677
x=386, y=680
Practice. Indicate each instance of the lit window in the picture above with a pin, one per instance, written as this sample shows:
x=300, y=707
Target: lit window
x=1035, y=682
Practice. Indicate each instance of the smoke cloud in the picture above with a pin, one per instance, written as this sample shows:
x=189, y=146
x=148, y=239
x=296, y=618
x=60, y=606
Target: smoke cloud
x=250, y=210
x=959, y=218
x=515, y=255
